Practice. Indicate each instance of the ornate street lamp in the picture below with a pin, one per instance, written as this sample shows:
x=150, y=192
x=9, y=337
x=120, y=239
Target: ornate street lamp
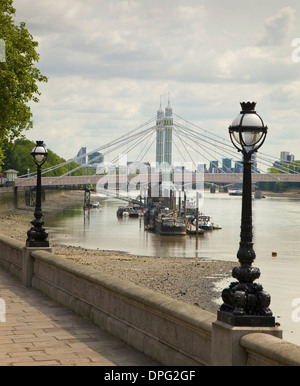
x=245, y=302
x=36, y=236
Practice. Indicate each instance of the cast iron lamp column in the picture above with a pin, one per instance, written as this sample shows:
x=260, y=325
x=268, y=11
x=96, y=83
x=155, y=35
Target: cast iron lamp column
x=245, y=302
x=36, y=236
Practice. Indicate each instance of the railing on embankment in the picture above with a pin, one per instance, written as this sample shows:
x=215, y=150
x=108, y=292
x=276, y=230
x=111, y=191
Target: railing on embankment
x=13, y=197
x=167, y=330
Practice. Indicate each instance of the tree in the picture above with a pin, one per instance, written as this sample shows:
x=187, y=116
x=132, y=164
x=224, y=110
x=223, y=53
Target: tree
x=280, y=186
x=18, y=77
x=17, y=156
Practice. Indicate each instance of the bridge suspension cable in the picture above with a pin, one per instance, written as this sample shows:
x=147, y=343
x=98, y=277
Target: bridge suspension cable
x=137, y=138
x=266, y=160
x=111, y=146
x=194, y=140
x=183, y=135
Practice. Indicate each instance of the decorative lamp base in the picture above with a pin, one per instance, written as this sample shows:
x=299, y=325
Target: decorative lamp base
x=37, y=237
x=37, y=244
x=246, y=320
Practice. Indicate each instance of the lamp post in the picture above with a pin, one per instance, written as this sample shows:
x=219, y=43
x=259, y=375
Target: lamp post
x=36, y=236
x=245, y=302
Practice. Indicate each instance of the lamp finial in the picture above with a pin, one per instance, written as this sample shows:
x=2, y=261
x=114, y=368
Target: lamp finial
x=248, y=106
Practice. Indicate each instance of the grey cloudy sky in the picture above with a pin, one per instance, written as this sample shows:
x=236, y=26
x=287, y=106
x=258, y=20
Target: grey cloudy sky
x=109, y=61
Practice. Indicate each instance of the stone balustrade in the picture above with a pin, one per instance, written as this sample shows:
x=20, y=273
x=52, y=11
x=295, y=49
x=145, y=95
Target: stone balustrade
x=172, y=332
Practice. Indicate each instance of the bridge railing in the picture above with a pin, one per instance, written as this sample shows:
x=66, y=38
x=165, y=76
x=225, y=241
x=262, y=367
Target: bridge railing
x=146, y=178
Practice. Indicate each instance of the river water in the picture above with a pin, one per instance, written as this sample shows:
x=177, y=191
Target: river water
x=276, y=228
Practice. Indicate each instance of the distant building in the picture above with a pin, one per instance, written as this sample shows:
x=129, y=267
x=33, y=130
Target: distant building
x=11, y=175
x=285, y=157
x=226, y=165
x=81, y=156
x=238, y=167
x=214, y=167
x=254, y=164
x=95, y=158
x=201, y=168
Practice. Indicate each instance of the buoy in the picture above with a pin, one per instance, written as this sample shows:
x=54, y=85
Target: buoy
x=274, y=253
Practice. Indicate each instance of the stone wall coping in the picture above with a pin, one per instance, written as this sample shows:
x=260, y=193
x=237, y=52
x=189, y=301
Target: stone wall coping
x=178, y=309
x=15, y=244
x=271, y=347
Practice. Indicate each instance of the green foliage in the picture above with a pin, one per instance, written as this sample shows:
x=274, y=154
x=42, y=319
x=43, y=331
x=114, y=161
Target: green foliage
x=17, y=156
x=279, y=186
x=18, y=76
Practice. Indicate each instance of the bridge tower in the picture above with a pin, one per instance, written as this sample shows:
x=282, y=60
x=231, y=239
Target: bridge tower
x=168, y=124
x=164, y=131
x=160, y=135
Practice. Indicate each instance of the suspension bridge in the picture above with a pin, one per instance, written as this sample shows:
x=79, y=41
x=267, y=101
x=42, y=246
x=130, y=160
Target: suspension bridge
x=214, y=178
x=159, y=141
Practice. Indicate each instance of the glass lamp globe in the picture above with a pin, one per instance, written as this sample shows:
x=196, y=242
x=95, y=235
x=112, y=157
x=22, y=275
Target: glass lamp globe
x=39, y=153
x=247, y=131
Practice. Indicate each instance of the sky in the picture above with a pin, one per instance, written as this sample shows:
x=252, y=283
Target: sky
x=111, y=62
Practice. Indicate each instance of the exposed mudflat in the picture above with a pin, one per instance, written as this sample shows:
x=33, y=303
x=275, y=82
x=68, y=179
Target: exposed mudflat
x=191, y=280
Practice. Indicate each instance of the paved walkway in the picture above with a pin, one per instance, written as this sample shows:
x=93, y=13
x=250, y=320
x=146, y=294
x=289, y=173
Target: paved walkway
x=39, y=332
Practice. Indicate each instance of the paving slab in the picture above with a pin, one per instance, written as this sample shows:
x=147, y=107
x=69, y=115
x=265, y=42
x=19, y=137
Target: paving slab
x=36, y=331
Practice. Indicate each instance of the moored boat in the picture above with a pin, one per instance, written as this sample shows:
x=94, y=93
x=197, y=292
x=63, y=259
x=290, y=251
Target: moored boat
x=191, y=230
x=130, y=211
x=216, y=226
x=204, y=222
x=168, y=225
x=236, y=193
x=92, y=205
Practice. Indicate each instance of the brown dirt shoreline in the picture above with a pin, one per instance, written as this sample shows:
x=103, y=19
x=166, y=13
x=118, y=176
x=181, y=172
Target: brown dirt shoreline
x=192, y=280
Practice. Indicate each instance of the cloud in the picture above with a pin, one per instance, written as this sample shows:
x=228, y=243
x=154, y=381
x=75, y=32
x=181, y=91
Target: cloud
x=279, y=27
x=256, y=64
x=132, y=39
x=108, y=62
x=266, y=58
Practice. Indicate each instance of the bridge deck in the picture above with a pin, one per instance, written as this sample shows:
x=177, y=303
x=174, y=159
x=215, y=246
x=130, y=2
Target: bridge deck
x=143, y=178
